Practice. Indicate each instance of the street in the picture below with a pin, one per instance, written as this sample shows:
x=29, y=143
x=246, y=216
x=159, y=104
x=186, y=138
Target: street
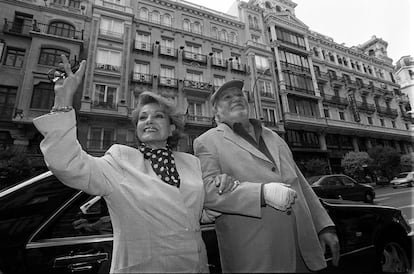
x=401, y=198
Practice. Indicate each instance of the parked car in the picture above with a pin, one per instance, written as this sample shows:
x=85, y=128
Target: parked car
x=340, y=186
x=46, y=227
x=404, y=178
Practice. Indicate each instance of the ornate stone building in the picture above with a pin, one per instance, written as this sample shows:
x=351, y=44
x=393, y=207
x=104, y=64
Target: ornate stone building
x=325, y=99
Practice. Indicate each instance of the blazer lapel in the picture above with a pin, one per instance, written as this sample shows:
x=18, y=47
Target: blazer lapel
x=272, y=145
x=239, y=141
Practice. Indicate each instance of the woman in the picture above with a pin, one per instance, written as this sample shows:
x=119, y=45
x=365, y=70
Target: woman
x=154, y=196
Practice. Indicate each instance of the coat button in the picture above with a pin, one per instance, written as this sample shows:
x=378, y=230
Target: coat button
x=288, y=212
x=273, y=169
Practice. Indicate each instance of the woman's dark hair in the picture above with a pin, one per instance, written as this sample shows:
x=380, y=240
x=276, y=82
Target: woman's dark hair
x=169, y=109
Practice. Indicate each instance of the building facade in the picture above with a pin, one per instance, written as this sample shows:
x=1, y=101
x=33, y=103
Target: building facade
x=404, y=72
x=323, y=98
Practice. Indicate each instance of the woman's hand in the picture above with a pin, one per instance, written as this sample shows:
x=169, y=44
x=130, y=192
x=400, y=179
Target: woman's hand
x=66, y=88
x=225, y=183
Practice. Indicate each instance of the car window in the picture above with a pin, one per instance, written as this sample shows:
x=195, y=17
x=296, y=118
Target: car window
x=87, y=215
x=402, y=175
x=332, y=182
x=26, y=208
x=347, y=181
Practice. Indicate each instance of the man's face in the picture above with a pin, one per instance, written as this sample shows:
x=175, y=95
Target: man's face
x=232, y=106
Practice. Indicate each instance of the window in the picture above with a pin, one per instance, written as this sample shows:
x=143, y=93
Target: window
x=382, y=122
x=197, y=27
x=111, y=27
x=141, y=71
x=108, y=60
x=143, y=41
x=255, y=38
x=51, y=56
x=223, y=35
x=269, y=116
x=143, y=14
x=316, y=52
x=194, y=76
x=167, y=46
x=104, y=96
x=101, y=138
x=193, y=48
x=233, y=38
x=167, y=20
x=168, y=76
x=22, y=23
x=303, y=107
x=7, y=101
x=186, y=25
x=195, y=109
x=326, y=112
x=265, y=88
x=407, y=127
x=393, y=124
x=342, y=115
x=218, y=81
x=61, y=29
x=214, y=33
x=369, y=119
x=14, y=57
x=262, y=62
x=43, y=96
x=74, y=4
x=299, y=82
x=155, y=17
x=59, y=2
x=290, y=37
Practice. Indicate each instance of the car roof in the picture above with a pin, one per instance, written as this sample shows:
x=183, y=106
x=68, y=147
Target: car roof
x=4, y=192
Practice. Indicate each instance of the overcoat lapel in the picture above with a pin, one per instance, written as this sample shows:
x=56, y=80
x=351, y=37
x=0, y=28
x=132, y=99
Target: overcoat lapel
x=272, y=146
x=241, y=142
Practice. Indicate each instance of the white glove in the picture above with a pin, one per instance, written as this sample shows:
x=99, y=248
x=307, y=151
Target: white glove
x=279, y=196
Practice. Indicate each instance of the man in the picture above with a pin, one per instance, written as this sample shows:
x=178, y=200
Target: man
x=273, y=221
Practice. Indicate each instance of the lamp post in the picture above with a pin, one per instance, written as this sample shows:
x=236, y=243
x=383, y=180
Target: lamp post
x=256, y=96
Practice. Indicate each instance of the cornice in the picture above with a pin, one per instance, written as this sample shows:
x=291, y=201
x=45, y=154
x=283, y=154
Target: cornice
x=273, y=18
x=213, y=15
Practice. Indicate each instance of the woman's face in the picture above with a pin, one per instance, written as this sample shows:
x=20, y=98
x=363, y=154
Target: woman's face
x=154, y=127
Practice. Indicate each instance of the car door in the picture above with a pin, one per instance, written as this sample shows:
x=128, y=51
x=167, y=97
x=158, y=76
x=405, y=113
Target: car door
x=329, y=187
x=77, y=239
x=351, y=190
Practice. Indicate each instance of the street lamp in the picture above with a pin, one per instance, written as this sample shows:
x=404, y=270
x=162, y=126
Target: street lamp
x=256, y=96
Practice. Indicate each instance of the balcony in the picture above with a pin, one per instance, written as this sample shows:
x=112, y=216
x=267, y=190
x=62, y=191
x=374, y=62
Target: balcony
x=111, y=5
x=199, y=120
x=335, y=99
x=109, y=33
x=143, y=46
x=335, y=80
x=294, y=68
x=300, y=90
x=322, y=77
x=267, y=94
x=24, y=29
x=235, y=66
x=219, y=62
x=199, y=88
x=168, y=51
x=103, y=105
x=349, y=84
x=194, y=57
x=388, y=112
x=168, y=82
x=365, y=107
x=142, y=78
x=107, y=67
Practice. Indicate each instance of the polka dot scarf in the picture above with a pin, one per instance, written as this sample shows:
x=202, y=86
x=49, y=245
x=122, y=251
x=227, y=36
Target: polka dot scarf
x=163, y=163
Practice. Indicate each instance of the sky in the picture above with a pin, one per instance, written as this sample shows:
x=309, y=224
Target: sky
x=352, y=22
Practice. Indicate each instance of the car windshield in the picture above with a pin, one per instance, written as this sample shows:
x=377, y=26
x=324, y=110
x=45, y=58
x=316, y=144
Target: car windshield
x=313, y=179
x=402, y=175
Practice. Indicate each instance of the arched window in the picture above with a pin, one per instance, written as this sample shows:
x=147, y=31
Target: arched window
x=61, y=29
x=255, y=22
x=249, y=18
x=214, y=33
x=233, y=38
x=268, y=5
x=167, y=20
x=315, y=51
x=197, y=27
x=155, y=17
x=186, y=25
x=223, y=35
x=371, y=52
x=143, y=14
x=278, y=9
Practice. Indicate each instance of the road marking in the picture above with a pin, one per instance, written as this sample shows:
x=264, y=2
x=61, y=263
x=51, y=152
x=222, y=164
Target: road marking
x=395, y=193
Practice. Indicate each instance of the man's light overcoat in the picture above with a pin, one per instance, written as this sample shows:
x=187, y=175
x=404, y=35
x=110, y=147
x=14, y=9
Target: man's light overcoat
x=254, y=238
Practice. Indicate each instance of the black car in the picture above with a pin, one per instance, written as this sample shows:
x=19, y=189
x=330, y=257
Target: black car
x=46, y=227
x=340, y=186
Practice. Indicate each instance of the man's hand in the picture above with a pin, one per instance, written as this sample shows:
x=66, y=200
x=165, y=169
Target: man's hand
x=225, y=183
x=279, y=196
x=327, y=237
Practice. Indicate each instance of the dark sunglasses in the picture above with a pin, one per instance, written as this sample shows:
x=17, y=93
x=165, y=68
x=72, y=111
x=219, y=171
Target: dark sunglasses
x=56, y=74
